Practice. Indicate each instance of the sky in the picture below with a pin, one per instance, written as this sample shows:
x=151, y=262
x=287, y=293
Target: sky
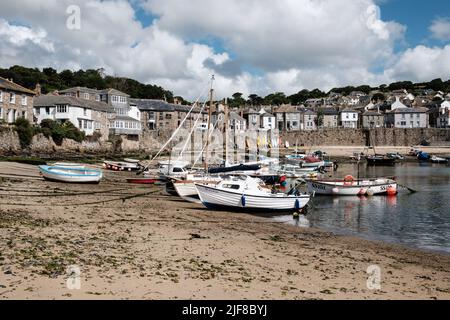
x=251, y=46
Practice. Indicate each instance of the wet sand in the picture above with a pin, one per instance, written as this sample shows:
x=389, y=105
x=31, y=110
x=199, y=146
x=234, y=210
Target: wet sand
x=136, y=242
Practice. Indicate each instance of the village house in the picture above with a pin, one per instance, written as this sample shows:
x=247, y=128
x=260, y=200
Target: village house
x=349, y=118
x=309, y=120
x=253, y=119
x=82, y=93
x=443, y=120
x=287, y=118
x=372, y=119
x=124, y=117
x=15, y=102
x=268, y=121
x=236, y=123
x=86, y=115
x=407, y=118
x=330, y=117
x=161, y=115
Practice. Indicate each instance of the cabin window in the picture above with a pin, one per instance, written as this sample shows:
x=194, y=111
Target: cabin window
x=231, y=186
x=177, y=170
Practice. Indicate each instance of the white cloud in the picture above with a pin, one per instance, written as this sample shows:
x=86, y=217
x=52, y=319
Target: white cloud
x=288, y=45
x=421, y=64
x=440, y=29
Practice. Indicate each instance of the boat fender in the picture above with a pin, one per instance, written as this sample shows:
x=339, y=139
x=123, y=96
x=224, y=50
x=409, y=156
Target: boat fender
x=362, y=192
x=348, y=180
x=370, y=192
x=335, y=190
x=391, y=191
x=297, y=204
x=243, y=200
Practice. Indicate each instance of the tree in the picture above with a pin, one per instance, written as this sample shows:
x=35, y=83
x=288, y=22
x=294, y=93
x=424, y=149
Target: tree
x=378, y=97
x=254, y=99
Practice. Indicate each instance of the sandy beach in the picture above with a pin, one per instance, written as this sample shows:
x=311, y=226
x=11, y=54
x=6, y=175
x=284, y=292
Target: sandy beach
x=136, y=242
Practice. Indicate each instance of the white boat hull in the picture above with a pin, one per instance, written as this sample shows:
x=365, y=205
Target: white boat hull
x=351, y=189
x=61, y=174
x=220, y=199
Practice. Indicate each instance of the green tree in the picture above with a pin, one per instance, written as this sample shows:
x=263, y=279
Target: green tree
x=24, y=131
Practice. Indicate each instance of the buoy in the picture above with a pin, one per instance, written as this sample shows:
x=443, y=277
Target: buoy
x=391, y=191
x=335, y=190
x=369, y=192
x=362, y=192
x=243, y=200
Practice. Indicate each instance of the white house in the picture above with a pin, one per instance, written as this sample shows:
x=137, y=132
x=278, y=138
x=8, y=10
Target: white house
x=407, y=118
x=398, y=104
x=443, y=121
x=85, y=115
x=236, y=122
x=268, y=121
x=349, y=118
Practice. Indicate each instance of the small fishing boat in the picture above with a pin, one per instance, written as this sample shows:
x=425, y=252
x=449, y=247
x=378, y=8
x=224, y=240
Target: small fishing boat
x=71, y=175
x=436, y=159
x=186, y=188
x=380, y=160
x=121, y=166
x=352, y=187
x=245, y=194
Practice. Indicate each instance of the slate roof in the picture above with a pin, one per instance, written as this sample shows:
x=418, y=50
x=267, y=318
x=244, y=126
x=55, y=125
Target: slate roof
x=409, y=110
x=160, y=106
x=8, y=85
x=52, y=100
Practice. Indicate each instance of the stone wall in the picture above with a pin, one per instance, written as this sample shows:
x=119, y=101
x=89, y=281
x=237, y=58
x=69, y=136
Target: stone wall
x=325, y=137
x=360, y=137
x=9, y=141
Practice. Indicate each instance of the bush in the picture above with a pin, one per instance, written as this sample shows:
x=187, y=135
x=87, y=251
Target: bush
x=59, y=132
x=25, y=131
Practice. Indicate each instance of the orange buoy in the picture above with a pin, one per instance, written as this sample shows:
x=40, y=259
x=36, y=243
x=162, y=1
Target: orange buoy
x=348, y=180
x=391, y=191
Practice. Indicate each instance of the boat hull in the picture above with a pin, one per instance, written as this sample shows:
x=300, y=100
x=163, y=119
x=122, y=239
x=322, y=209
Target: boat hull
x=380, y=162
x=71, y=175
x=351, y=189
x=218, y=199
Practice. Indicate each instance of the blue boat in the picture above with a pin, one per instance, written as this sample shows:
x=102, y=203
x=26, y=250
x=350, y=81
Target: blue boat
x=422, y=156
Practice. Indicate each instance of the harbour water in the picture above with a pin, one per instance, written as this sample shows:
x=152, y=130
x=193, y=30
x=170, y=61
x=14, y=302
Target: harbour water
x=420, y=220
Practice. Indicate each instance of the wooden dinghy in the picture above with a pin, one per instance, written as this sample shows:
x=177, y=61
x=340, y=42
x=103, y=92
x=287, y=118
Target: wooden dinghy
x=71, y=175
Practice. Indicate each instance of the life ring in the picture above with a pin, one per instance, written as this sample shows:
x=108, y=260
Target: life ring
x=348, y=180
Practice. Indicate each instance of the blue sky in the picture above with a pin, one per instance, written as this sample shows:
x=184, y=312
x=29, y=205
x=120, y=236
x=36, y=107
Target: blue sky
x=417, y=16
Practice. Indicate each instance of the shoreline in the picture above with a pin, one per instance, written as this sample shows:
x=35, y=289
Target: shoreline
x=133, y=242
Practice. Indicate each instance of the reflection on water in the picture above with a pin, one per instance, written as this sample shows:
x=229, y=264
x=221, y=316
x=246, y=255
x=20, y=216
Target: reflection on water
x=419, y=219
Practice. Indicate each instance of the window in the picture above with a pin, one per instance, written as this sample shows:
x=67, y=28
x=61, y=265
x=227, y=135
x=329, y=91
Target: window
x=47, y=110
x=38, y=110
x=417, y=115
x=80, y=124
x=168, y=116
x=231, y=186
x=354, y=116
x=418, y=123
x=12, y=98
x=151, y=116
x=403, y=116
x=61, y=109
x=1, y=113
x=24, y=100
x=97, y=97
x=89, y=124
x=1, y=96
x=403, y=123
x=346, y=116
x=86, y=96
x=84, y=112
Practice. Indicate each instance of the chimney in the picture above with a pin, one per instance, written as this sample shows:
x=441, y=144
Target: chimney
x=38, y=89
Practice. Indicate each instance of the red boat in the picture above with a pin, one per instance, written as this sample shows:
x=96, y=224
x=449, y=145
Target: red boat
x=143, y=180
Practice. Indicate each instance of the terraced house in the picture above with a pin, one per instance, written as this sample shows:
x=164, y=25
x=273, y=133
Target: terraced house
x=15, y=102
x=89, y=116
x=124, y=117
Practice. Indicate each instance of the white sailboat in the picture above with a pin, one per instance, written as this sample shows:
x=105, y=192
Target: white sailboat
x=244, y=193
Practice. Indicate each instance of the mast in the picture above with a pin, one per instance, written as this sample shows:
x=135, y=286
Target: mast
x=226, y=131
x=211, y=92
